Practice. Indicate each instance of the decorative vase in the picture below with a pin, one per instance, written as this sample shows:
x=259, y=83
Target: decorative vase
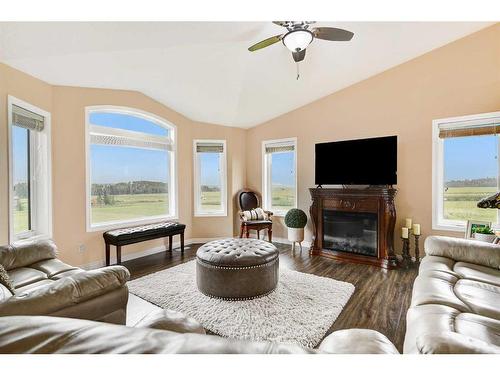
x=484, y=237
x=296, y=234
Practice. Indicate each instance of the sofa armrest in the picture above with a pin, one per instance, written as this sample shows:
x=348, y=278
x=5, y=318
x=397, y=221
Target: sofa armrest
x=453, y=343
x=464, y=250
x=169, y=320
x=66, y=292
x=357, y=341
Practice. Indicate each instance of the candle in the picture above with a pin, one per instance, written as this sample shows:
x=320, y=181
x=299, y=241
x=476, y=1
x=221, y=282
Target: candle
x=416, y=229
x=408, y=223
x=404, y=232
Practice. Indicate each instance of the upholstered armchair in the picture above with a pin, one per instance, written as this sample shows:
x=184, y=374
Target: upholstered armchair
x=252, y=216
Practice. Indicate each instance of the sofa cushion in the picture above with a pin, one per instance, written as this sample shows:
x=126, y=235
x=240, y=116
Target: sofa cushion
x=33, y=286
x=67, y=273
x=24, y=275
x=427, y=319
x=453, y=343
x=436, y=263
x=481, y=298
x=28, y=253
x=476, y=272
x=52, y=267
x=478, y=327
x=435, y=287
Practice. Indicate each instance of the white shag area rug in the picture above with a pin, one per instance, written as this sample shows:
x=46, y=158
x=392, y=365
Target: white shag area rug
x=301, y=309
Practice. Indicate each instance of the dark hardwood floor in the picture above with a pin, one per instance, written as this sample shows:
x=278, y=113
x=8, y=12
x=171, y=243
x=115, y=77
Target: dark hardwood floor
x=379, y=302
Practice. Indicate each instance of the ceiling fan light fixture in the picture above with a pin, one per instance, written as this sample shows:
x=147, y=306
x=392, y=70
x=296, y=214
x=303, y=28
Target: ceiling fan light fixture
x=297, y=40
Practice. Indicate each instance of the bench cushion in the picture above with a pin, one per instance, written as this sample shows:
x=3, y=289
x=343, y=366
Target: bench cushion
x=143, y=232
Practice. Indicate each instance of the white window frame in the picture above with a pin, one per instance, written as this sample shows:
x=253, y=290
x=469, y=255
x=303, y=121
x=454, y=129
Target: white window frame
x=173, y=183
x=41, y=183
x=198, y=211
x=438, y=221
x=266, y=175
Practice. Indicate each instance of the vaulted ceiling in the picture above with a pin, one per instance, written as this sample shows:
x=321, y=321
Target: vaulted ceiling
x=204, y=70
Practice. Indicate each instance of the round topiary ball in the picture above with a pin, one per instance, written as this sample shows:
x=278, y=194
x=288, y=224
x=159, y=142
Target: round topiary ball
x=295, y=218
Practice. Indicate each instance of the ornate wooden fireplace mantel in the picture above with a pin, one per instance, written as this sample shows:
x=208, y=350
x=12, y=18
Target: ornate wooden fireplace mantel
x=375, y=201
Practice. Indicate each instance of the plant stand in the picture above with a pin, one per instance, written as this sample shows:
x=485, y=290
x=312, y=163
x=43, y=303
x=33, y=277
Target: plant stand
x=300, y=245
x=296, y=235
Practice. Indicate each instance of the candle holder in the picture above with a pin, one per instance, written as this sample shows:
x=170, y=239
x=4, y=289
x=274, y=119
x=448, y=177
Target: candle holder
x=406, y=252
x=417, y=249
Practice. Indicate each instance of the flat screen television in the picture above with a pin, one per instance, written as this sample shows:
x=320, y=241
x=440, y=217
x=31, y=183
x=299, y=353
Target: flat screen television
x=370, y=161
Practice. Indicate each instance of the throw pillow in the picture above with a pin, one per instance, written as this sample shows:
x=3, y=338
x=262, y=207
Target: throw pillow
x=256, y=214
x=5, y=280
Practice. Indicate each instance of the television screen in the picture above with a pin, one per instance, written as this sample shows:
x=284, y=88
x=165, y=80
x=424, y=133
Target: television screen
x=371, y=161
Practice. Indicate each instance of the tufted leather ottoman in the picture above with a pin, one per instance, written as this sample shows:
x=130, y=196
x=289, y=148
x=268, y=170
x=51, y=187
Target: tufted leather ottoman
x=237, y=268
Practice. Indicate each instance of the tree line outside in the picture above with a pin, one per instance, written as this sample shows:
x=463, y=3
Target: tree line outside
x=129, y=200
x=136, y=199
x=461, y=197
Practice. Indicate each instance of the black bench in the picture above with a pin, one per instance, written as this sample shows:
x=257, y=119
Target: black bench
x=127, y=236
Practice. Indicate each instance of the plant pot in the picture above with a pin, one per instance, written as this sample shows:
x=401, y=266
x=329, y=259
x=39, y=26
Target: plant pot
x=484, y=237
x=295, y=234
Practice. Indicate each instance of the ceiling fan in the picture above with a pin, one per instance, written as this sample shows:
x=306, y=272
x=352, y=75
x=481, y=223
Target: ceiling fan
x=299, y=36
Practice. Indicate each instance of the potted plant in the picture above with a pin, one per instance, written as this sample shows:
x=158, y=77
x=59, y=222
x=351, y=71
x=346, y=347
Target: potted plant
x=484, y=234
x=296, y=220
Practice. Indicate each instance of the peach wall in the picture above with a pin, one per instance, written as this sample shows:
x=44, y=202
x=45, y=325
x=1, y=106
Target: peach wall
x=458, y=79
x=67, y=105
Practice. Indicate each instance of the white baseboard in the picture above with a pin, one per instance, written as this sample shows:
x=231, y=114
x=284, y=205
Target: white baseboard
x=139, y=254
x=175, y=246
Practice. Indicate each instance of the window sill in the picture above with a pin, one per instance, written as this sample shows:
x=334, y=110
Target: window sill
x=215, y=214
x=124, y=224
x=449, y=227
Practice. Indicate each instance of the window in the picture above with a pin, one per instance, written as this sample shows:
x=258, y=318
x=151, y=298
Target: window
x=29, y=171
x=279, y=175
x=465, y=169
x=210, y=178
x=130, y=168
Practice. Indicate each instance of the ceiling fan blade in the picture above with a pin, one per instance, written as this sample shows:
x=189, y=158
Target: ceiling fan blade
x=332, y=33
x=299, y=56
x=281, y=23
x=265, y=43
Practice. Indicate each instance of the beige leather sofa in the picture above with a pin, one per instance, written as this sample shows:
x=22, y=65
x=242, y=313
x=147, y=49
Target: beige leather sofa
x=161, y=332
x=455, y=305
x=46, y=286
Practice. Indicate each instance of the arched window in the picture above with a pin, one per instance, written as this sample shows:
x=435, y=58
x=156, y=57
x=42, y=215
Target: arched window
x=131, y=174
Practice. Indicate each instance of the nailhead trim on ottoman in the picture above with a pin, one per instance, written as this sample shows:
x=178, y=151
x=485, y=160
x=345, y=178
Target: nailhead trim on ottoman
x=237, y=269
